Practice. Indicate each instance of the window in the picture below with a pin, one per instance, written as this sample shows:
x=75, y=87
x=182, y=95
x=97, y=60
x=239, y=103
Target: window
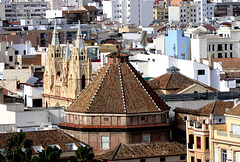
x=213, y=47
x=142, y=117
x=224, y=155
x=225, y=46
x=225, y=55
x=83, y=81
x=235, y=129
x=231, y=54
x=201, y=72
x=24, y=52
x=10, y=58
x=199, y=142
x=183, y=55
x=231, y=46
x=54, y=145
x=146, y=138
x=105, y=142
x=220, y=47
x=207, y=142
x=142, y=160
x=16, y=52
x=71, y=146
x=58, y=91
x=153, y=60
x=182, y=157
x=2, y=151
x=192, y=159
x=219, y=55
x=209, y=47
x=162, y=159
x=37, y=148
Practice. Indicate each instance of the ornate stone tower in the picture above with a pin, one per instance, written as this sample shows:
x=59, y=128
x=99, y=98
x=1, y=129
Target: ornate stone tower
x=66, y=72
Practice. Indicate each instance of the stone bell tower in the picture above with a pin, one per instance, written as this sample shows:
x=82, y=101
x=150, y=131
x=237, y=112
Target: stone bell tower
x=67, y=71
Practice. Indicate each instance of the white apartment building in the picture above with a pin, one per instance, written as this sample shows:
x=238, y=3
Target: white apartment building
x=138, y=12
x=197, y=12
x=223, y=45
x=205, y=10
x=15, y=11
x=185, y=13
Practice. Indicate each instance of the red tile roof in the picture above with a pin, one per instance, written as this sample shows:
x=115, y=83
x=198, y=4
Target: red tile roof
x=91, y=8
x=230, y=75
x=118, y=88
x=176, y=82
x=144, y=150
x=235, y=111
x=44, y=139
x=228, y=62
x=209, y=27
x=215, y=108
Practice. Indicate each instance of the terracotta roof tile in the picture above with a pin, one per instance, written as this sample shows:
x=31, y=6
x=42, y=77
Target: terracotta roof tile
x=44, y=139
x=175, y=82
x=235, y=111
x=228, y=62
x=144, y=150
x=216, y=108
x=91, y=8
x=209, y=27
x=118, y=88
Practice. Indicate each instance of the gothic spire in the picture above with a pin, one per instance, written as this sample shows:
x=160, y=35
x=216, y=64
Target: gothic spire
x=79, y=42
x=68, y=55
x=55, y=40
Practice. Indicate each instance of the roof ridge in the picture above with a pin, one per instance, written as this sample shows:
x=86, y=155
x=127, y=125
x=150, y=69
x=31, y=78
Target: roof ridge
x=123, y=95
x=144, y=88
x=98, y=87
x=85, y=87
x=213, y=107
x=115, y=153
x=168, y=80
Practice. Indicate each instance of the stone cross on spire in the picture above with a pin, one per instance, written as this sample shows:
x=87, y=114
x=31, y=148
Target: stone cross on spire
x=55, y=40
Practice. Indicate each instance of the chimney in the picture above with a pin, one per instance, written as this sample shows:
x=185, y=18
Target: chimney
x=210, y=60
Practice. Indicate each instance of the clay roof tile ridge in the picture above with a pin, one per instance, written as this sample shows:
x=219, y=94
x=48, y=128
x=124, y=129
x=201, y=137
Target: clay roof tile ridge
x=168, y=80
x=116, y=151
x=123, y=95
x=144, y=88
x=213, y=107
x=98, y=88
x=83, y=89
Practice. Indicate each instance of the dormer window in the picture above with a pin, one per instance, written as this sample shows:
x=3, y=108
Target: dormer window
x=81, y=144
x=54, y=145
x=2, y=151
x=71, y=146
x=37, y=148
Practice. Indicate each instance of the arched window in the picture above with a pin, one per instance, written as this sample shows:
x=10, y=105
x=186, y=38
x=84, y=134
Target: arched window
x=83, y=81
x=58, y=74
x=195, y=92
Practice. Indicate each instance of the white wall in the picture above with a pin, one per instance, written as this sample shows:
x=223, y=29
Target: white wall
x=7, y=117
x=32, y=92
x=30, y=118
x=20, y=74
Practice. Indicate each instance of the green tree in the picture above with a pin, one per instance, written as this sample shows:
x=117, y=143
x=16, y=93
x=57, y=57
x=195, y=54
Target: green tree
x=2, y=158
x=51, y=154
x=85, y=154
x=18, y=149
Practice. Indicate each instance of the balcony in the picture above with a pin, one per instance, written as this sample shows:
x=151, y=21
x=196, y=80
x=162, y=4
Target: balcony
x=224, y=135
x=197, y=125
